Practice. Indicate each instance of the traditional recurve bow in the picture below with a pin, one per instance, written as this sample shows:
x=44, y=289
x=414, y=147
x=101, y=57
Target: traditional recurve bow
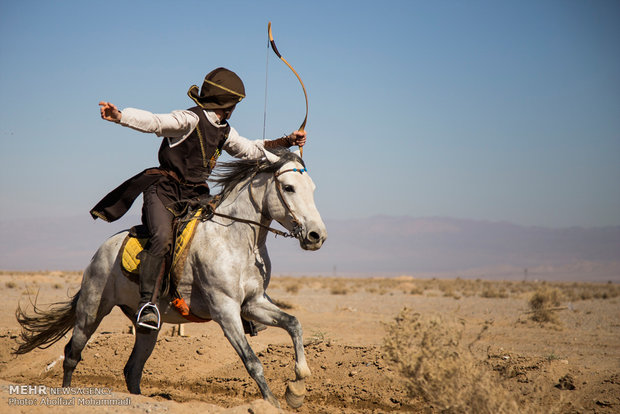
x=275, y=49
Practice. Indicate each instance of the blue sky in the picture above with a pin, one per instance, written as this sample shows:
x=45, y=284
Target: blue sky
x=502, y=111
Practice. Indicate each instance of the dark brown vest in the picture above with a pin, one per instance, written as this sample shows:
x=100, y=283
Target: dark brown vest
x=193, y=159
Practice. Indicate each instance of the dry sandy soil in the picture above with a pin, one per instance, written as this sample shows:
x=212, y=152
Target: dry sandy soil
x=344, y=324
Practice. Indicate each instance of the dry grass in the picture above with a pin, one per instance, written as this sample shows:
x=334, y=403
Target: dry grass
x=543, y=303
x=585, y=291
x=339, y=290
x=454, y=288
x=493, y=290
x=292, y=288
x=438, y=367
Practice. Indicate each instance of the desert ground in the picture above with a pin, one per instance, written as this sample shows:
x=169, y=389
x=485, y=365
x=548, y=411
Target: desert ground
x=461, y=345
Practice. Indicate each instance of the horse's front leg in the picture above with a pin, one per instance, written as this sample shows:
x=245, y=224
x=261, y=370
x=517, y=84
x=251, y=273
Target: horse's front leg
x=263, y=311
x=229, y=319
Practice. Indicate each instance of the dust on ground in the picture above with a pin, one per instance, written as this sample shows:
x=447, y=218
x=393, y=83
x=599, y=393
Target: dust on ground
x=573, y=364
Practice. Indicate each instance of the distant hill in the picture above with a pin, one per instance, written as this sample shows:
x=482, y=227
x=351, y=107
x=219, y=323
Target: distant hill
x=446, y=247
x=381, y=245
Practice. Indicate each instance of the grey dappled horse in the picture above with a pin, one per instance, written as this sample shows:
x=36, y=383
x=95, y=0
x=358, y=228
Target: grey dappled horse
x=224, y=278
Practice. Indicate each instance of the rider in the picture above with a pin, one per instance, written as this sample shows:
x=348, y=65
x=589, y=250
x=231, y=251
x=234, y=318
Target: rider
x=193, y=140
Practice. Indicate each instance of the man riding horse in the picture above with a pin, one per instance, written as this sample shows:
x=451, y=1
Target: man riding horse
x=193, y=139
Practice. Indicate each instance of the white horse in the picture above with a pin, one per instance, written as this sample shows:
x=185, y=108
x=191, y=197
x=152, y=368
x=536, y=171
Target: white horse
x=224, y=278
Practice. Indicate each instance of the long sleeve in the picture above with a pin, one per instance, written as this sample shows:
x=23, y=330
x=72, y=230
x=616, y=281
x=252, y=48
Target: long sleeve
x=241, y=147
x=177, y=124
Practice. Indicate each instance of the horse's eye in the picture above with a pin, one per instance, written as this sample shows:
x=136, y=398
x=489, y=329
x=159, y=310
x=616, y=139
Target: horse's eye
x=289, y=188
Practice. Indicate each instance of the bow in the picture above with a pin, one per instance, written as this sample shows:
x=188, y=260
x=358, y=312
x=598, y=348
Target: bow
x=275, y=49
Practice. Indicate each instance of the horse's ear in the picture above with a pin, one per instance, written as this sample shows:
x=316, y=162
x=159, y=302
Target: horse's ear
x=271, y=157
x=297, y=152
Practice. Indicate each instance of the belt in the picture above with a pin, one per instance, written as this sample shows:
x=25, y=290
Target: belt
x=174, y=176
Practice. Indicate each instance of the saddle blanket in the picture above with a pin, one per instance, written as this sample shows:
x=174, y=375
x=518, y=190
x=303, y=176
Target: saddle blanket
x=133, y=245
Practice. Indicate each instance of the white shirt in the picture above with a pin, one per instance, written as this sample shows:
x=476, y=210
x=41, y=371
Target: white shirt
x=178, y=125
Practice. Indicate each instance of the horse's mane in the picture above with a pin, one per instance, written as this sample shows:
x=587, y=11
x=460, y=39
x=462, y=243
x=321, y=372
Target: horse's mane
x=227, y=175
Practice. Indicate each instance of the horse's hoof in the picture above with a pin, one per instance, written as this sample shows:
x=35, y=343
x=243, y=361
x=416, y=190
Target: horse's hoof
x=295, y=393
x=135, y=391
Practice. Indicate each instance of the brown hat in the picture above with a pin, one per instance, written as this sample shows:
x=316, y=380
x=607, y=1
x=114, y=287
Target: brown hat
x=221, y=89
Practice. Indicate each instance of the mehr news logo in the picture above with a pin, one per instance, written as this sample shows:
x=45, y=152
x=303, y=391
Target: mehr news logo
x=31, y=395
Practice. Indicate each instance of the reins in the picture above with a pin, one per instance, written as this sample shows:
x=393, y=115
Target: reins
x=256, y=223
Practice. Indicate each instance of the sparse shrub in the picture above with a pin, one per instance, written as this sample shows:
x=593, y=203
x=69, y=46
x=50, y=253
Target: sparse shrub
x=490, y=291
x=317, y=337
x=338, y=287
x=552, y=357
x=10, y=284
x=468, y=293
x=587, y=291
x=450, y=293
x=339, y=290
x=416, y=291
x=441, y=370
x=585, y=294
x=445, y=286
x=292, y=288
x=542, y=304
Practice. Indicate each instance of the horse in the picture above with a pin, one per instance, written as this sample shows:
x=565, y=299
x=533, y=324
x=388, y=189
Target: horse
x=226, y=273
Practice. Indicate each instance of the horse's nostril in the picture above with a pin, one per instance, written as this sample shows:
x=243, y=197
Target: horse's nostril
x=313, y=235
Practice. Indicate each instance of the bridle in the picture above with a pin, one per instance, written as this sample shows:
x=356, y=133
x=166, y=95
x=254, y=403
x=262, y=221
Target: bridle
x=297, y=227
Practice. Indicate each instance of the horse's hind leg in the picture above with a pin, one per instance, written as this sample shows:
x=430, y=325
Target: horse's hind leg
x=142, y=349
x=267, y=313
x=89, y=313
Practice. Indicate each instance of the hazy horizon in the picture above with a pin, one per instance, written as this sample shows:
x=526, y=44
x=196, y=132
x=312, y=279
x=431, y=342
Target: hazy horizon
x=377, y=246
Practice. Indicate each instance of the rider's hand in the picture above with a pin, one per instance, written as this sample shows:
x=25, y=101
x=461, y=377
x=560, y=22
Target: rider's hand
x=298, y=138
x=109, y=112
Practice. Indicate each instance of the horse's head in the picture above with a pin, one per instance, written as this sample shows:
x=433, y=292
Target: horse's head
x=290, y=200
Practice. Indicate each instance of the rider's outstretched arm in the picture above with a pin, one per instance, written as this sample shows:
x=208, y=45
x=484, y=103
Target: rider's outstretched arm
x=177, y=124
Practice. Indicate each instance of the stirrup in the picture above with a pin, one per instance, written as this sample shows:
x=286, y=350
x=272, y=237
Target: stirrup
x=156, y=311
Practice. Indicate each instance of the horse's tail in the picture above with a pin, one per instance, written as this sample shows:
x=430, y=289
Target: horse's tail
x=45, y=327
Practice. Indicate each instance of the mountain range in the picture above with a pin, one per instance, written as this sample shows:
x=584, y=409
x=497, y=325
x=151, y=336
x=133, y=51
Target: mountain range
x=374, y=246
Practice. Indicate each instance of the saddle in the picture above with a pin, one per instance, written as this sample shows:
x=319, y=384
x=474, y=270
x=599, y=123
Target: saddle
x=138, y=237
x=183, y=230
x=136, y=241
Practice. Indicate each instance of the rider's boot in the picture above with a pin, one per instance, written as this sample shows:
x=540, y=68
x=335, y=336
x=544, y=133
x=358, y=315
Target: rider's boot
x=151, y=269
